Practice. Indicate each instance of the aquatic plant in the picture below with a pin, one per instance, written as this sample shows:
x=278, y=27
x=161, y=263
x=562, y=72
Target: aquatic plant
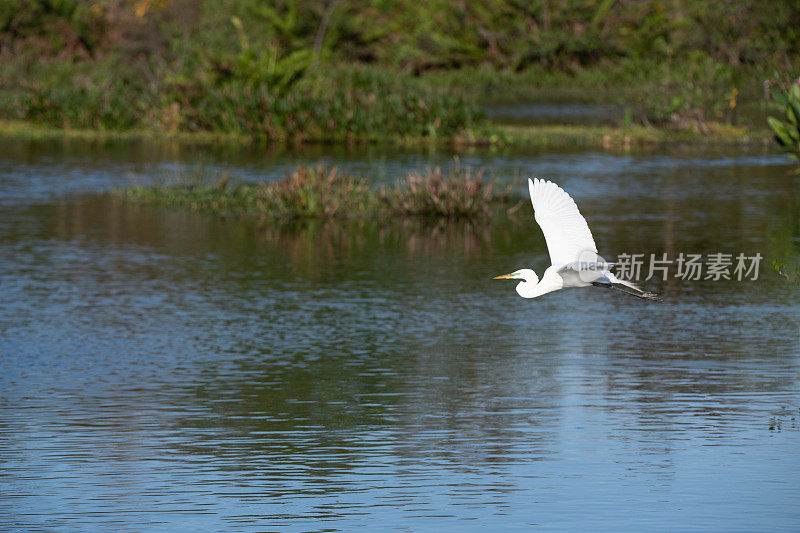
x=785, y=271
x=461, y=194
x=306, y=192
x=787, y=133
x=327, y=193
x=315, y=192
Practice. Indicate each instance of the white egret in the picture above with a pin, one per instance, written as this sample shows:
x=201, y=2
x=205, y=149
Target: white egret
x=573, y=253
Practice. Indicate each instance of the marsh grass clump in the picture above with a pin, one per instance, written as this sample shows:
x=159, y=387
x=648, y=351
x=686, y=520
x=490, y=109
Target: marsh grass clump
x=221, y=197
x=306, y=192
x=461, y=194
x=315, y=192
x=326, y=193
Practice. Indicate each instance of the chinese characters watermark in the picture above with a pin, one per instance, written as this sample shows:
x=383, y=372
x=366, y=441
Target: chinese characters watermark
x=713, y=267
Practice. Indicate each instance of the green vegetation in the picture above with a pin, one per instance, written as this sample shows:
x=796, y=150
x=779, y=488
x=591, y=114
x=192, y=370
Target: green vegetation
x=325, y=193
x=571, y=136
x=540, y=136
x=458, y=195
x=785, y=271
x=787, y=134
x=326, y=70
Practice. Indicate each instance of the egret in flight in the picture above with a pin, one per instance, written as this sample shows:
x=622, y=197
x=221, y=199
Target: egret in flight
x=573, y=253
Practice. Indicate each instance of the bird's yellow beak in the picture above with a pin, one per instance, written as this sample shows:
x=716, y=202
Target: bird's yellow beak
x=504, y=276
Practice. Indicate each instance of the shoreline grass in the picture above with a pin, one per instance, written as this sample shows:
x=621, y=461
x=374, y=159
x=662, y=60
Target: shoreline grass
x=608, y=137
x=363, y=71
x=533, y=136
x=319, y=192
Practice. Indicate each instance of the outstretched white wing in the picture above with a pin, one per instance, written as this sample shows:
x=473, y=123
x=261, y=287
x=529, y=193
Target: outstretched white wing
x=565, y=230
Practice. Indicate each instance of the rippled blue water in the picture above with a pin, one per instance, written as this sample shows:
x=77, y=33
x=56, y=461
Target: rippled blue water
x=169, y=371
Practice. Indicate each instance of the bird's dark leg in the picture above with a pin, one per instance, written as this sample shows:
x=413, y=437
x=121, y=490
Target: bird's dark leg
x=643, y=295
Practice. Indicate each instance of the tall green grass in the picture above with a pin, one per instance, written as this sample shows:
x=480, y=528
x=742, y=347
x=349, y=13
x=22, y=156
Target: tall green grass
x=335, y=106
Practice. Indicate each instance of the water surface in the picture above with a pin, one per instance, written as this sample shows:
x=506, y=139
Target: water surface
x=170, y=371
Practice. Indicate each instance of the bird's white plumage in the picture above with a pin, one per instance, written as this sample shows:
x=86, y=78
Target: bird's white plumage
x=573, y=253
x=565, y=230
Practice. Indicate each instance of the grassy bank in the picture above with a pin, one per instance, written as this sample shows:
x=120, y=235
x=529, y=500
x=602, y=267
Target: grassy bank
x=323, y=71
x=327, y=193
x=20, y=129
x=534, y=137
x=616, y=137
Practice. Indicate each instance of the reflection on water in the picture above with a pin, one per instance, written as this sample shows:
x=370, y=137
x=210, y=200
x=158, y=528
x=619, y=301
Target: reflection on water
x=163, y=370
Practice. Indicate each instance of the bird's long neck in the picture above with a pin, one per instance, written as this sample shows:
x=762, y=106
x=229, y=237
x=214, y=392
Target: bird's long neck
x=531, y=289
